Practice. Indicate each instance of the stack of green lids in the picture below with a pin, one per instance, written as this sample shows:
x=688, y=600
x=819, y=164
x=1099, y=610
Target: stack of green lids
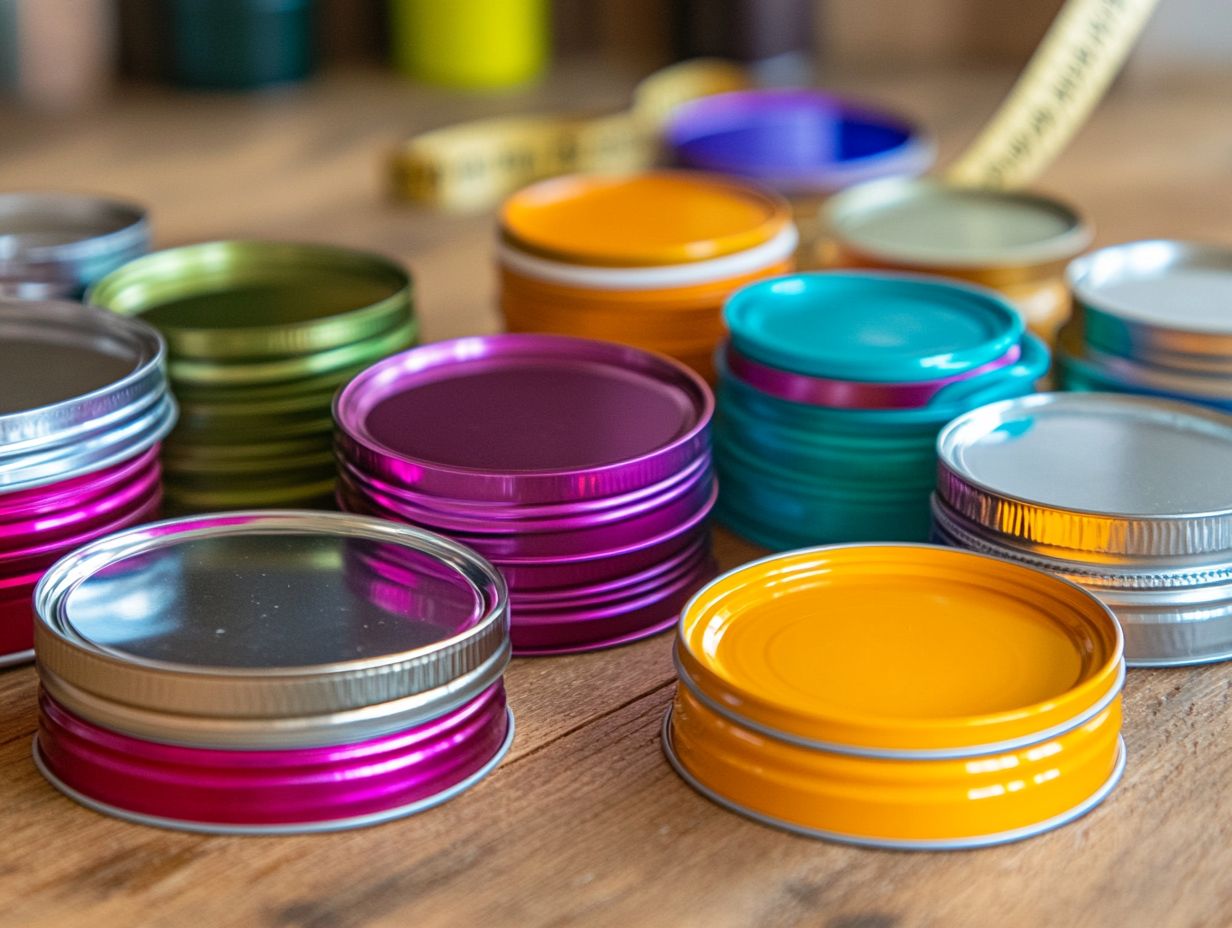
x=260, y=335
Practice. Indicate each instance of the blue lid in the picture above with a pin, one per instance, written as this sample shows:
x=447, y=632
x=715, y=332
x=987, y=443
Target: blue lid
x=795, y=140
x=882, y=327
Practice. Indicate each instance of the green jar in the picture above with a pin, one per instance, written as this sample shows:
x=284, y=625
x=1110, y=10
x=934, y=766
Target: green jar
x=240, y=44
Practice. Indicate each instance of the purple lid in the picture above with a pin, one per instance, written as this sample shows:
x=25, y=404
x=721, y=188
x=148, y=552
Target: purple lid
x=524, y=419
x=798, y=141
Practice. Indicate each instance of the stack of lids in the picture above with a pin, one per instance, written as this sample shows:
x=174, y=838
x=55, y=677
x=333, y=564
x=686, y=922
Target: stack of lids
x=797, y=141
x=645, y=259
x=833, y=388
x=910, y=696
x=261, y=335
x=1017, y=243
x=270, y=672
x=83, y=405
x=580, y=468
x=1125, y=495
x=56, y=244
x=1152, y=317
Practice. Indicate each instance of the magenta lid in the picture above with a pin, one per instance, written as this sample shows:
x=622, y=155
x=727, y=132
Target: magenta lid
x=524, y=419
x=851, y=394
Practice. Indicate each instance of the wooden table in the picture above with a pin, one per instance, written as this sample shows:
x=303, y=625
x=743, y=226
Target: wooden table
x=584, y=822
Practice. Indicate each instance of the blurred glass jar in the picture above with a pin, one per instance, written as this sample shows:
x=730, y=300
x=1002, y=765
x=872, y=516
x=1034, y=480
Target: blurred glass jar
x=241, y=44
x=470, y=43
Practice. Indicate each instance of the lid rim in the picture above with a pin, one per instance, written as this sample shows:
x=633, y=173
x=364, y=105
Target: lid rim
x=232, y=260
x=888, y=192
x=367, y=453
x=874, y=731
x=1128, y=534
x=777, y=214
x=245, y=691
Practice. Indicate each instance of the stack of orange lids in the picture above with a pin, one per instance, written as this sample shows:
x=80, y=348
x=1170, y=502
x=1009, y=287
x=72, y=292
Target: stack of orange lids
x=902, y=696
x=645, y=259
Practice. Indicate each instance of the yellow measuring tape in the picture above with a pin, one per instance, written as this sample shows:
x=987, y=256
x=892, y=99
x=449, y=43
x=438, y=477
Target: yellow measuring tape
x=476, y=164
x=1066, y=77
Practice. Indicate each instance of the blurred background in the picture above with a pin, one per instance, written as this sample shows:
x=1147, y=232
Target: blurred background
x=68, y=53
x=279, y=119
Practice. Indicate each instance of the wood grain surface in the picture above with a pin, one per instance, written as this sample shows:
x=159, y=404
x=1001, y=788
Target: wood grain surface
x=585, y=823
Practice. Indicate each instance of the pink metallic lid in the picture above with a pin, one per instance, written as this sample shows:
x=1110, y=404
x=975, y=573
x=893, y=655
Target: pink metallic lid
x=524, y=419
x=81, y=389
x=851, y=394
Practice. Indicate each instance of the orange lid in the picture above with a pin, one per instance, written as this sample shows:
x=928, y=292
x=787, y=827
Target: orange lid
x=636, y=220
x=900, y=648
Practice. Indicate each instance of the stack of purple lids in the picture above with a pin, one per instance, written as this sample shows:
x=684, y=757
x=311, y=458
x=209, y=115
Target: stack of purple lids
x=581, y=469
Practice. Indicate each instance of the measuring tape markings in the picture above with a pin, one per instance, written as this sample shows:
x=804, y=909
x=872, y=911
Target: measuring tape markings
x=476, y=164
x=1066, y=77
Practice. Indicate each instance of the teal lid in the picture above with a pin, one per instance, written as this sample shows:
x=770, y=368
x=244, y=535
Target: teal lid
x=871, y=326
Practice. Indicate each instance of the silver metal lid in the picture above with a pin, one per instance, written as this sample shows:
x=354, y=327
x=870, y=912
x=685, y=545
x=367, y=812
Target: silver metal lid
x=269, y=629
x=1170, y=616
x=1094, y=476
x=80, y=388
x=1160, y=303
x=55, y=244
x=1118, y=373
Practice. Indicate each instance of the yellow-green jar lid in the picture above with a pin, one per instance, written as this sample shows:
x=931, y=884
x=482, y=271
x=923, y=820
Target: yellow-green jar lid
x=237, y=300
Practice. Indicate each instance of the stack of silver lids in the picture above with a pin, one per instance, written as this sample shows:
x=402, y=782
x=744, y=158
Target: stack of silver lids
x=1127, y=496
x=1152, y=317
x=84, y=389
x=54, y=245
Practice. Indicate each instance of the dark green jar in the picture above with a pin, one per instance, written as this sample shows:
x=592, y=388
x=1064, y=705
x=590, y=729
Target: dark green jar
x=241, y=44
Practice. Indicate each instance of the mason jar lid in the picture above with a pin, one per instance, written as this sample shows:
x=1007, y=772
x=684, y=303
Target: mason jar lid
x=642, y=219
x=227, y=301
x=269, y=629
x=1199, y=385
x=1099, y=476
x=926, y=223
x=899, y=651
x=80, y=389
x=1160, y=303
x=524, y=419
x=796, y=140
x=55, y=244
x=871, y=326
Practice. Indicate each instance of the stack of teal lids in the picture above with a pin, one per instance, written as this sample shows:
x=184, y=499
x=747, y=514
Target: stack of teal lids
x=832, y=389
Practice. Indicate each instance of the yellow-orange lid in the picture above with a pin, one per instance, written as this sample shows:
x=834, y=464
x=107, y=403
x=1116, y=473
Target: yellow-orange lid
x=900, y=648
x=645, y=219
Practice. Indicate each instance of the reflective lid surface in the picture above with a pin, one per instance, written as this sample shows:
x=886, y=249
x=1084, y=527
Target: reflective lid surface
x=532, y=418
x=1106, y=472
x=871, y=326
x=230, y=300
x=649, y=218
x=80, y=388
x=269, y=599
x=928, y=223
x=898, y=646
x=1162, y=303
x=39, y=226
x=269, y=614
x=795, y=140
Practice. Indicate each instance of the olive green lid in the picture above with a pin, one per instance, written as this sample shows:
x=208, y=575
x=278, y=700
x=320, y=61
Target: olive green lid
x=928, y=223
x=221, y=301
